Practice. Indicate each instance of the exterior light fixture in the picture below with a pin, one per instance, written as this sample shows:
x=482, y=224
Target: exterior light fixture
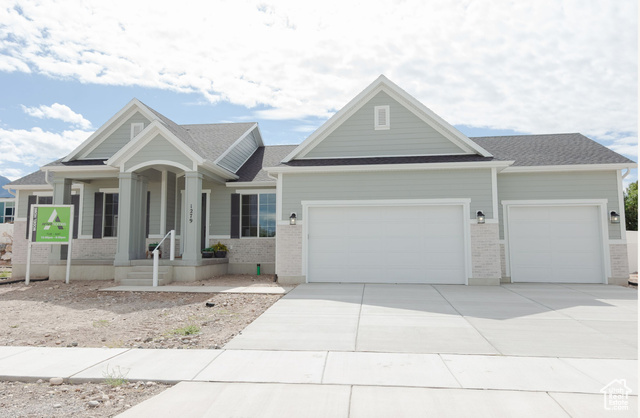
x=292, y=219
x=615, y=217
x=480, y=217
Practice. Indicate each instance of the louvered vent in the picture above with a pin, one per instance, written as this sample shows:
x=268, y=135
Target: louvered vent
x=136, y=128
x=382, y=117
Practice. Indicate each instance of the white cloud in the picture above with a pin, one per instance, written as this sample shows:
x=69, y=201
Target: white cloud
x=34, y=148
x=58, y=111
x=536, y=66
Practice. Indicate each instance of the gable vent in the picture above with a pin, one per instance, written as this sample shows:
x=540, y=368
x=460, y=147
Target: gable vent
x=136, y=128
x=382, y=118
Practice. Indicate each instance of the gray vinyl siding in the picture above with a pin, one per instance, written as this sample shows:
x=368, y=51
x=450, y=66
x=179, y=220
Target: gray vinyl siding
x=239, y=153
x=560, y=186
x=118, y=139
x=431, y=184
x=154, y=209
x=23, y=202
x=171, y=201
x=408, y=135
x=158, y=149
x=220, y=211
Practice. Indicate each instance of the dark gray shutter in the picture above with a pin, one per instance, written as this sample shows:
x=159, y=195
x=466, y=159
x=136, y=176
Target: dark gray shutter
x=31, y=200
x=98, y=204
x=75, y=201
x=235, y=215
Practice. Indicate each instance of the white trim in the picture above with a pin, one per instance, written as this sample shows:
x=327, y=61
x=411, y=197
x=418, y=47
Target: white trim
x=19, y=220
x=388, y=167
x=43, y=193
x=86, y=237
x=220, y=237
x=464, y=202
x=604, y=227
x=621, y=211
x=135, y=125
x=494, y=193
x=32, y=187
x=75, y=168
x=574, y=167
x=257, y=191
x=131, y=107
x=383, y=156
x=235, y=143
x=156, y=163
x=618, y=241
x=384, y=84
x=109, y=190
x=155, y=236
x=163, y=203
x=251, y=184
x=279, y=198
x=376, y=118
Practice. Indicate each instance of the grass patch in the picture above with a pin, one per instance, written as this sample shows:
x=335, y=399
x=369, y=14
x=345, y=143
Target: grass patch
x=115, y=377
x=13, y=326
x=188, y=330
x=100, y=323
x=5, y=274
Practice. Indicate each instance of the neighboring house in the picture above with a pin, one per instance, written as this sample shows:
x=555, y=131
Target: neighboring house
x=384, y=191
x=7, y=208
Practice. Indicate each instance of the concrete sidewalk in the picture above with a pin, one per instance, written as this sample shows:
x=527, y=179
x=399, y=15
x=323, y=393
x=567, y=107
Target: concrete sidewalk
x=265, y=290
x=264, y=383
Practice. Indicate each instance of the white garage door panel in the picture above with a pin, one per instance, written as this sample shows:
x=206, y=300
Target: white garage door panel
x=555, y=244
x=386, y=244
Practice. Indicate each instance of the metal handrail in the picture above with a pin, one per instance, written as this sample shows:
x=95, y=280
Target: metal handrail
x=156, y=254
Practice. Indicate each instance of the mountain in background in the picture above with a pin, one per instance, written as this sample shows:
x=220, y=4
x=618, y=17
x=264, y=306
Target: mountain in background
x=3, y=192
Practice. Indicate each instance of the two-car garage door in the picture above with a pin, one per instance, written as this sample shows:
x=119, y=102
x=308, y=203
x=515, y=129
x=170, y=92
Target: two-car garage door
x=386, y=244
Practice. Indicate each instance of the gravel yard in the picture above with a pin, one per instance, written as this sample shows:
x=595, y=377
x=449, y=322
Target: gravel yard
x=54, y=314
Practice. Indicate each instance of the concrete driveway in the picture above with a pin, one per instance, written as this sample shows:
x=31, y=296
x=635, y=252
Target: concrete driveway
x=539, y=320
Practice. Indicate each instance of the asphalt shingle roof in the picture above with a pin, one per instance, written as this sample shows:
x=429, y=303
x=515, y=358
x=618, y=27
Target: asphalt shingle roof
x=269, y=156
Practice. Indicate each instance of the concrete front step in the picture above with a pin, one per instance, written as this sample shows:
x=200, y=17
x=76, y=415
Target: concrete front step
x=149, y=269
x=145, y=281
x=143, y=276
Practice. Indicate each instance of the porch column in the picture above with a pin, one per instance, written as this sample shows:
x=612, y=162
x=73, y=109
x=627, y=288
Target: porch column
x=131, y=218
x=61, y=196
x=192, y=220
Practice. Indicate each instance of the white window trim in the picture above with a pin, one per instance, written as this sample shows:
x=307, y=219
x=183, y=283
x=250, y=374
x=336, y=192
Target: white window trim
x=601, y=204
x=104, y=213
x=258, y=224
x=376, y=117
x=135, y=125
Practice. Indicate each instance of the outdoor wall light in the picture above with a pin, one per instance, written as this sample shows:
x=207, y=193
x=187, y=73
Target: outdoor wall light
x=480, y=217
x=615, y=217
x=292, y=219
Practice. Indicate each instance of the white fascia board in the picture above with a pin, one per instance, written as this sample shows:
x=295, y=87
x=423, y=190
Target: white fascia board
x=269, y=184
x=382, y=83
x=76, y=168
x=235, y=143
x=574, y=167
x=390, y=167
x=108, y=125
x=147, y=135
x=32, y=187
x=384, y=156
x=222, y=172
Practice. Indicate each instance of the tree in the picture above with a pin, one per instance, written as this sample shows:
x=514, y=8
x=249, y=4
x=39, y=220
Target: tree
x=631, y=206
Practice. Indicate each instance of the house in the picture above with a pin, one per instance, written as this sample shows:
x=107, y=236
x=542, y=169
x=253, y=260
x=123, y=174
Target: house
x=384, y=191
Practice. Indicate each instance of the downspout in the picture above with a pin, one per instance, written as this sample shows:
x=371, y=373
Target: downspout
x=625, y=174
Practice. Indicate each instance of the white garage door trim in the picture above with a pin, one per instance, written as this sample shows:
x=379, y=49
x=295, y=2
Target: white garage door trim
x=465, y=203
x=601, y=204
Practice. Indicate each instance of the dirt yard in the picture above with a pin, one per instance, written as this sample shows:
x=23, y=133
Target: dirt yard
x=54, y=314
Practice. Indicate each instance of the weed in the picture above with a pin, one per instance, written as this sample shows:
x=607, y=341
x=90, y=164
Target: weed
x=115, y=377
x=5, y=274
x=100, y=323
x=13, y=326
x=188, y=330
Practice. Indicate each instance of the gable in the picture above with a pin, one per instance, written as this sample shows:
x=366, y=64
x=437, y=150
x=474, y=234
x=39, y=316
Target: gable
x=118, y=138
x=407, y=135
x=158, y=149
x=239, y=153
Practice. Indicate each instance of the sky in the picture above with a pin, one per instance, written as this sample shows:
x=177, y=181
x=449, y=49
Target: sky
x=493, y=67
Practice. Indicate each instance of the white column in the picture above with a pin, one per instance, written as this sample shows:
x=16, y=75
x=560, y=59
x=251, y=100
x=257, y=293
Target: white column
x=192, y=217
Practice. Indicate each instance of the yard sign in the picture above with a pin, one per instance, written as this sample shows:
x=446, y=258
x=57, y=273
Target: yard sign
x=50, y=225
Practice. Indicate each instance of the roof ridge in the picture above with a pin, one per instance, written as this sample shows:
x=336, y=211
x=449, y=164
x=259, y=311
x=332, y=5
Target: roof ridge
x=217, y=123
x=511, y=136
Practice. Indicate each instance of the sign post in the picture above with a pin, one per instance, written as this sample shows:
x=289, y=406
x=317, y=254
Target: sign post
x=53, y=225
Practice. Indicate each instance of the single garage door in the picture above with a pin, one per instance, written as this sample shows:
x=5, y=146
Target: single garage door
x=560, y=244
x=386, y=244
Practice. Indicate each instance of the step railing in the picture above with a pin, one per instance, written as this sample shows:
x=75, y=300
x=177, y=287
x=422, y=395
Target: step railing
x=156, y=254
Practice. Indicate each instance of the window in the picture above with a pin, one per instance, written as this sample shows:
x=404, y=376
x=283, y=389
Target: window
x=258, y=215
x=45, y=200
x=382, y=117
x=110, y=215
x=9, y=210
x=136, y=128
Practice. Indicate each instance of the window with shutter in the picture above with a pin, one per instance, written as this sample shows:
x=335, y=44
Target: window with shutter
x=382, y=118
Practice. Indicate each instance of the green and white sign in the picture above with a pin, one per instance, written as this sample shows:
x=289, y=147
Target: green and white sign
x=51, y=224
